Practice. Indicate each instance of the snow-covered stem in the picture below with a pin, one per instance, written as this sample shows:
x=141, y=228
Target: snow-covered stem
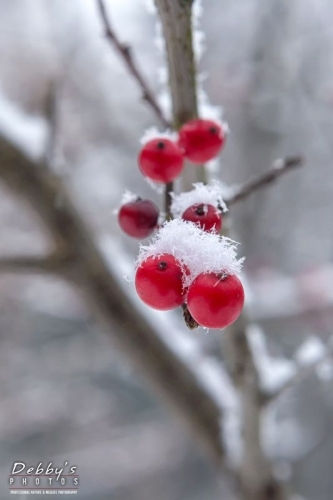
x=280, y=167
x=125, y=51
x=172, y=378
x=176, y=19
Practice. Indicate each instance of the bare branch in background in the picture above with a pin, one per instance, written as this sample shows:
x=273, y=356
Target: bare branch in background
x=126, y=53
x=302, y=371
x=54, y=263
x=255, y=474
x=279, y=168
x=170, y=375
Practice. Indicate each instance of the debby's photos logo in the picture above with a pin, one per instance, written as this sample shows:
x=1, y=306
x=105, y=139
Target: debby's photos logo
x=43, y=479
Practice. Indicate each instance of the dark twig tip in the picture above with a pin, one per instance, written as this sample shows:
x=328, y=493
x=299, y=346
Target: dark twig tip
x=189, y=320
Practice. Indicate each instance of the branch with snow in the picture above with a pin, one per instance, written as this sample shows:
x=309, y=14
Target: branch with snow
x=179, y=384
x=309, y=358
x=177, y=28
x=126, y=52
x=253, y=468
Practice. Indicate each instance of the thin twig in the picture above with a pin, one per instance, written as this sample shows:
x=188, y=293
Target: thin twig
x=279, y=168
x=167, y=200
x=127, y=54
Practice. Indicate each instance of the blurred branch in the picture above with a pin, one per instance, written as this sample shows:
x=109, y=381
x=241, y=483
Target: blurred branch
x=54, y=263
x=254, y=472
x=279, y=168
x=127, y=54
x=302, y=371
x=164, y=368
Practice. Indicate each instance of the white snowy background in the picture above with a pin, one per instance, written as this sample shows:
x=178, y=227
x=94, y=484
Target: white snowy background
x=65, y=392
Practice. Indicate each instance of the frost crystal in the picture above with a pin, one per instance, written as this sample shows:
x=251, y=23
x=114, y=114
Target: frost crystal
x=310, y=351
x=198, y=36
x=128, y=197
x=158, y=188
x=210, y=194
x=153, y=133
x=199, y=251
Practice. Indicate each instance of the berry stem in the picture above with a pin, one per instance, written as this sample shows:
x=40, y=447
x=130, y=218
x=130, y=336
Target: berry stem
x=189, y=320
x=167, y=200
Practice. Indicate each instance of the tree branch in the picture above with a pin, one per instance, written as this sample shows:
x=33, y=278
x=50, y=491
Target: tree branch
x=53, y=263
x=176, y=19
x=171, y=377
x=127, y=55
x=256, y=478
x=303, y=371
x=279, y=168
x=255, y=473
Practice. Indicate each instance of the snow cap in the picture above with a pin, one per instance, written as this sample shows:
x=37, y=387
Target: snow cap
x=209, y=194
x=195, y=249
x=153, y=133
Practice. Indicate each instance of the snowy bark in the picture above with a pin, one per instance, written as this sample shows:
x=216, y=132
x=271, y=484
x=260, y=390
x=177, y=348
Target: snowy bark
x=176, y=19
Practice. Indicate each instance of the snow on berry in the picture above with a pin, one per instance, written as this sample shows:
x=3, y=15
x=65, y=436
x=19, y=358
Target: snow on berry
x=153, y=133
x=206, y=216
x=197, y=251
x=128, y=197
x=209, y=194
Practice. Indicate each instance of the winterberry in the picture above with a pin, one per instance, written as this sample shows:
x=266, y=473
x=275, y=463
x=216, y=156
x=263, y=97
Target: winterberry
x=161, y=160
x=138, y=218
x=208, y=217
x=215, y=301
x=158, y=282
x=201, y=140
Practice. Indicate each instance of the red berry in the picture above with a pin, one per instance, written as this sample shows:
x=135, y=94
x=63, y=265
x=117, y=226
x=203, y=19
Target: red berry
x=215, y=301
x=138, y=218
x=161, y=160
x=158, y=282
x=208, y=217
x=201, y=140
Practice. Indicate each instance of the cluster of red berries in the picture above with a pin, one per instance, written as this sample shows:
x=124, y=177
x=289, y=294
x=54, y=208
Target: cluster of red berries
x=162, y=160
x=185, y=265
x=165, y=279
x=213, y=300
